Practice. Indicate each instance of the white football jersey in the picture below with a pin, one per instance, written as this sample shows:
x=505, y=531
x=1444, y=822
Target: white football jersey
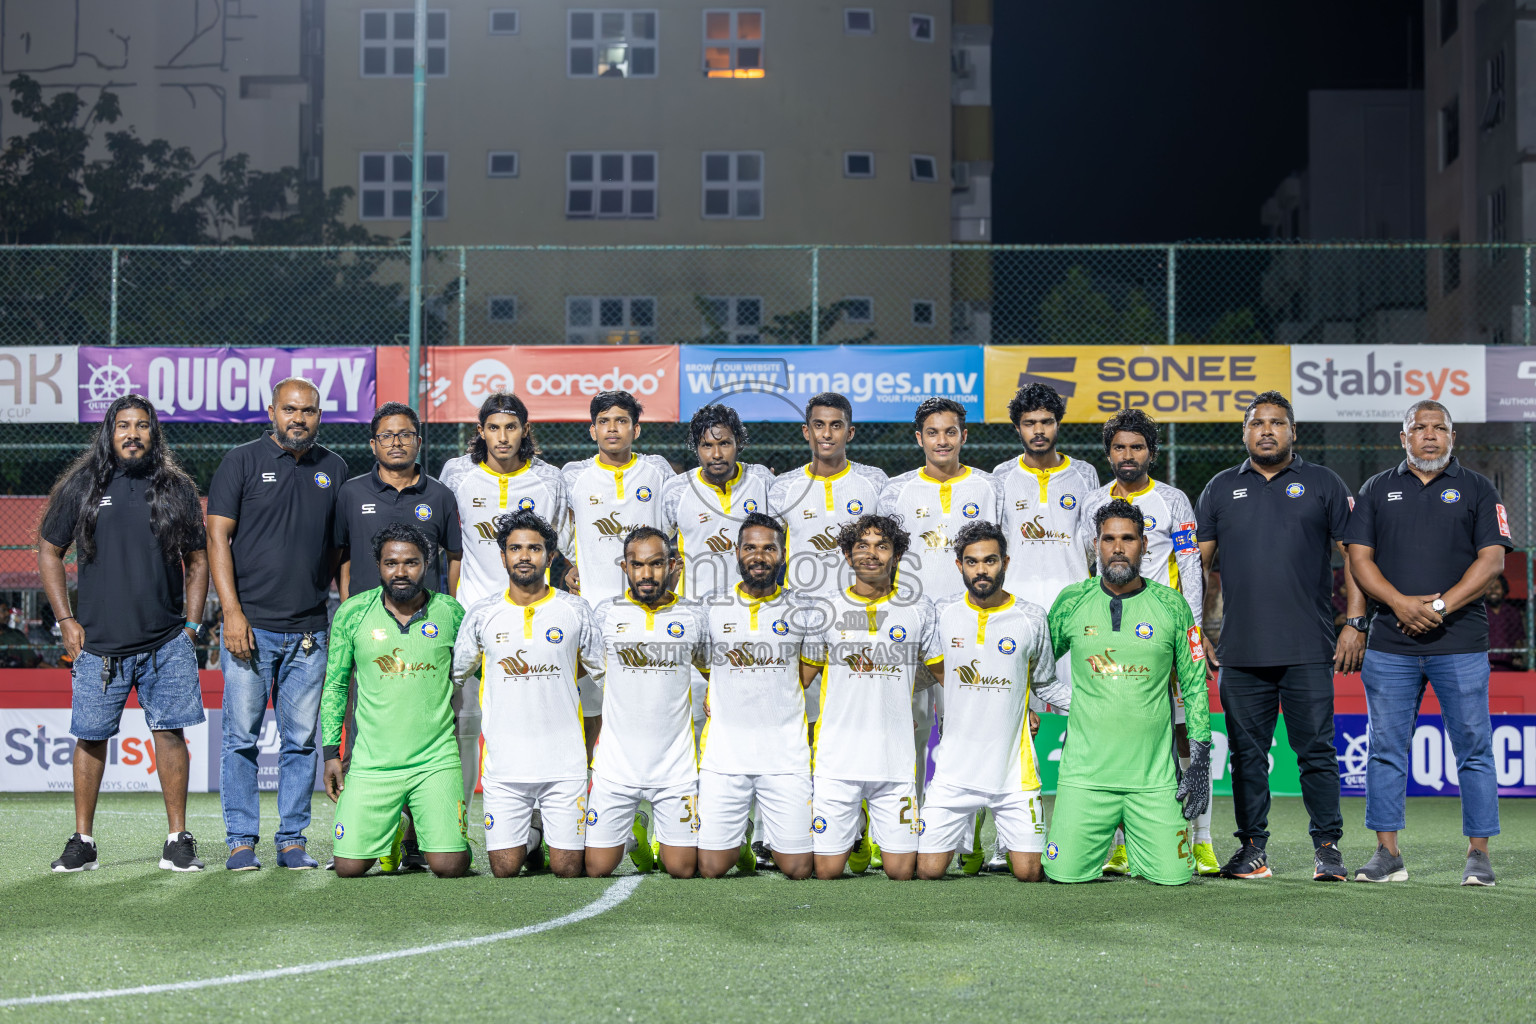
x=707, y=518
x=529, y=658
x=1172, y=557
x=756, y=723
x=647, y=735
x=993, y=658
x=813, y=509
x=933, y=512
x=606, y=502
x=1042, y=513
x=869, y=652
x=484, y=494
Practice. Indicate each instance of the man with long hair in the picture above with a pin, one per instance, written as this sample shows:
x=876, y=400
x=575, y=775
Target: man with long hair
x=133, y=518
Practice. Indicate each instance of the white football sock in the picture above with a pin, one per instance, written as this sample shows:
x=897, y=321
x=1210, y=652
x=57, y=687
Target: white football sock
x=88, y=839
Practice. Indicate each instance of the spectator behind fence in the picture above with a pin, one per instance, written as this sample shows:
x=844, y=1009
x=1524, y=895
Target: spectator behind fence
x=15, y=650
x=1506, y=628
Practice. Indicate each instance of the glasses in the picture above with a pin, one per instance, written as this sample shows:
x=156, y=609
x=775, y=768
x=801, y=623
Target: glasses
x=406, y=436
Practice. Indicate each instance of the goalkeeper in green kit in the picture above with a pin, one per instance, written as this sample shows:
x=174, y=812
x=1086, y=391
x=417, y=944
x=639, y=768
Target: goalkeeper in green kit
x=399, y=638
x=1128, y=636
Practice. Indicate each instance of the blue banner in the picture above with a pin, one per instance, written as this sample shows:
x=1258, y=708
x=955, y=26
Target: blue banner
x=1432, y=763
x=885, y=383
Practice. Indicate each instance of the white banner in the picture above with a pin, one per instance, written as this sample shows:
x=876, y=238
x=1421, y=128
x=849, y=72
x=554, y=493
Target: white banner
x=37, y=753
x=39, y=384
x=1344, y=383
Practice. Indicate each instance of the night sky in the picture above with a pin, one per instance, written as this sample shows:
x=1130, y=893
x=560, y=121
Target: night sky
x=1137, y=122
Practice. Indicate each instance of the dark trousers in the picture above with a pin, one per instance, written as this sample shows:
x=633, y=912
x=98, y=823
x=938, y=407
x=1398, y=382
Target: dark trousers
x=1252, y=697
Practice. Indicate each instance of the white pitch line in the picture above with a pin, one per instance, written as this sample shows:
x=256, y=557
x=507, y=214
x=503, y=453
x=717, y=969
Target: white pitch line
x=615, y=894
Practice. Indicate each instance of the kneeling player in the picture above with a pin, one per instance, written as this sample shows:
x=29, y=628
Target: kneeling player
x=531, y=643
x=998, y=650
x=1118, y=762
x=400, y=638
x=867, y=652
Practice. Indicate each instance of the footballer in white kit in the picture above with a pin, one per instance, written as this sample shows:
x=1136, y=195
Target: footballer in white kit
x=754, y=743
x=646, y=751
x=867, y=654
x=704, y=507
x=530, y=644
x=997, y=651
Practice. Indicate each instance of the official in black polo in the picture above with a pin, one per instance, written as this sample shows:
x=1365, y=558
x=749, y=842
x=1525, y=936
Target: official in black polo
x=395, y=490
x=1427, y=538
x=1276, y=519
x=271, y=523
x=133, y=518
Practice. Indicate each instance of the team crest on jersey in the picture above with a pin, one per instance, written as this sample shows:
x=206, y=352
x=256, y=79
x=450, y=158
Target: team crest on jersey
x=1067, y=501
x=970, y=510
x=1144, y=630
x=780, y=627
x=1149, y=523
x=554, y=634
x=429, y=630
x=1450, y=495
x=750, y=505
x=591, y=818
x=643, y=494
x=322, y=479
x=898, y=634
x=1007, y=645
x=1051, y=851
x=423, y=512
x=855, y=507
x=525, y=505
x=341, y=830
x=1295, y=490
x=818, y=824
x=674, y=629
x=490, y=821
x=379, y=634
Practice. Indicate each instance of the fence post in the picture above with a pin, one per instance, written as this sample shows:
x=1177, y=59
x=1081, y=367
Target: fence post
x=463, y=290
x=1173, y=428
x=112, y=329
x=815, y=295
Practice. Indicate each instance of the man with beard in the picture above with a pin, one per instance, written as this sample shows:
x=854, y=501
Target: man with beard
x=271, y=523
x=134, y=521
x=1171, y=558
x=1426, y=539
x=1127, y=635
x=754, y=743
x=998, y=650
x=398, y=638
x=703, y=507
x=1276, y=519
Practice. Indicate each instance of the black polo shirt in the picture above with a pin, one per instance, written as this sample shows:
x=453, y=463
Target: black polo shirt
x=1273, y=540
x=285, y=510
x=367, y=504
x=130, y=598
x=1426, y=536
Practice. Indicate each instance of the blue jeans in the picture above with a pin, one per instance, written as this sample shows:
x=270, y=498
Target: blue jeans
x=1394, y=687
x=278, y=667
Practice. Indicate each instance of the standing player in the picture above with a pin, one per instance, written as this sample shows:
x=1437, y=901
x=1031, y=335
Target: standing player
x=1172, y=558
x=754, y=744
x=609, y=494
x=999, y=652
x=1126, y=636
x=867, y=654
x=647, y=752
x=703, y=506
x=530, y=644
x=399, y=639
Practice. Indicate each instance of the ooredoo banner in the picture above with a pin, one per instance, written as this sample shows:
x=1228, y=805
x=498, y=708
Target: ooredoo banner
x=1352, y=383
x=557, y=382
x=38, y=384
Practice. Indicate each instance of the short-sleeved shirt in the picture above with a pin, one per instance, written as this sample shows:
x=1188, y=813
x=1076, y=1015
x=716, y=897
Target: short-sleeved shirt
x=1426, y=536
x=1043, y=512
x=482, y=495
x=606, y=502
x=367, y=504
x=285, y=520
x=933, y=512
x=1273, y=541
x=813, y=509
x=130, y=595
x=1172, y=557
x=707, y=519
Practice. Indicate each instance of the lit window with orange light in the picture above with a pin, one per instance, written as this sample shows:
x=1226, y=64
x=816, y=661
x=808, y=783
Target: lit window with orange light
x=733, y=43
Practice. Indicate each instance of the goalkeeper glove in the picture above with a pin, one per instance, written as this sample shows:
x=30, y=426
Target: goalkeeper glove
x=1194, y=790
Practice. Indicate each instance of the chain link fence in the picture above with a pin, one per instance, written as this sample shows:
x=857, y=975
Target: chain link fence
x=1250, y=294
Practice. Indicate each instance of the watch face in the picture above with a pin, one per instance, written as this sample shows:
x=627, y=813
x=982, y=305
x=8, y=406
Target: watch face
x=1438, y=605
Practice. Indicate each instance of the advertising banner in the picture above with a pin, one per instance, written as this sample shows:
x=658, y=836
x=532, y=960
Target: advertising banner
x=1432, y=763
x=1511, y=376
x=1353, y=383
x=39, y=384
x=38, y=753
x=557, y=381
x=1174, y=383
x=224, y=385
x=885, y=384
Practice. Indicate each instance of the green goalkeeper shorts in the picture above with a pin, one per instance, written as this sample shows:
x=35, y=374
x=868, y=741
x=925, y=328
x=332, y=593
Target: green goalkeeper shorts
x=368, y=812
x=1157, y=838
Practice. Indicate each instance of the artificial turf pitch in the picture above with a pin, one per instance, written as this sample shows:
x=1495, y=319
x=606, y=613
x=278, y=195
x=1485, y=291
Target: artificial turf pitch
x=763, y=948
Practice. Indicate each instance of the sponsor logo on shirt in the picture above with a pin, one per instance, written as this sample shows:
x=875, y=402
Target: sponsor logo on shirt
x=1394, y=495
x=1067, y=501
x=517, y=665
x=826, y=540
x=369, y=508
x=1105, y=665
x=379, y=634
x=1503, y=520
x=720, y=542
x=1144, y=630
x=106, y=500
x=1184, y=537
x=936, y=538
x=1090, y=631
x=643, y=494
x=269, y=478
x=1034, y=529
x=855, y=507
x=423, y=512
x=750, y=656
x=429, y=630
x=490, y=821
x=970, y=510
x=322, y=480
x=970, y=675
x=1196, y=646
x=1241, y=492
x=609, y=525
x=1294, y=490
x=1007, y=645
x=393, y=665
x=637, y=656
x=554, y=635
x=487, y=531
x=1450, y=495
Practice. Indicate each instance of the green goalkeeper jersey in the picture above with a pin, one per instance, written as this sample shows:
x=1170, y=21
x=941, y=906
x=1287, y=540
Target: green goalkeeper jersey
x=404, y=683
x=1125, y=650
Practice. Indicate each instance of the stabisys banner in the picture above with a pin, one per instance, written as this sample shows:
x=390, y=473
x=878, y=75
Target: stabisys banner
x=1365, y=383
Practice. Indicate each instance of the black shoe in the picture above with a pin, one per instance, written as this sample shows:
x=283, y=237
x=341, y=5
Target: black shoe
x=1250, y=861
x=764, y=856
x=180, y=854
x=413, y=859
x=78, y=855
x=1328, y=865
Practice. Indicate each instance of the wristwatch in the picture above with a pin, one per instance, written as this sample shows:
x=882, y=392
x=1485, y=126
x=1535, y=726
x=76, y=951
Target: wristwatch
x=1438, y=606
x=196, y=628
x=1358, y=622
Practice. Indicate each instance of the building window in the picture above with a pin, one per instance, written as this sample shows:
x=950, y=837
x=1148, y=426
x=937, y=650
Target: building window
x=923, y=312
x=610, y=185
x=610, y=320
x=858, y=165
x=1450, y=132
x=859, y=309
x=611, y=44
x=733, y=185
x=386, y=186
x=501, y=309
x=1449, y=17
x=501, y=165
x=922, y=27
x=1493, y=106
x=858, y=21
x=504, y=23
x=1498, y=222
x=1450, y=264
x=924, y=168
x=738, y=317
x=389, y=49
x=733, y=43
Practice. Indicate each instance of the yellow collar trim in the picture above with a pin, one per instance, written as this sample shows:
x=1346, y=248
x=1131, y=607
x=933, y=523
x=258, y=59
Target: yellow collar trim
x=754, y=603
x=527, y=464
x=530, y=609
x=982, y=614
x=1043, y=476
x=923, y=475
x=847, y=468
x=1132, y=497
x=618, y=473
x=724, y=492
x=869, y=604
x=650, y=613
